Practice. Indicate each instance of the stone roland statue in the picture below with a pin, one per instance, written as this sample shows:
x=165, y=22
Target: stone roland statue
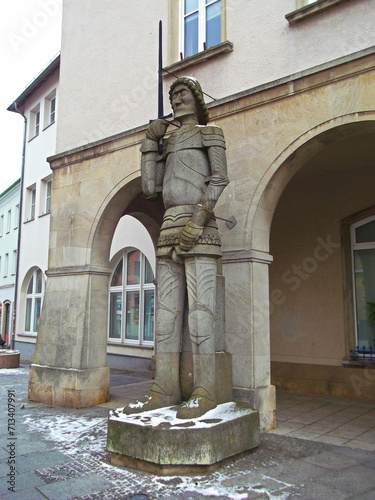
x=191, y=173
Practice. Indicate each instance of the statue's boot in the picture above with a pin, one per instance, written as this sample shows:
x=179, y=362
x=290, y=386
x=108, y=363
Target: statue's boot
x=165, y=391
x=203, y=397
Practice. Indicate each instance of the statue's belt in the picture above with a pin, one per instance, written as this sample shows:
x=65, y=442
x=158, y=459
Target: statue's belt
x=174, y=221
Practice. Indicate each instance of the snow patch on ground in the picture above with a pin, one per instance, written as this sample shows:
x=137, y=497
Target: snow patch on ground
x=75, y=435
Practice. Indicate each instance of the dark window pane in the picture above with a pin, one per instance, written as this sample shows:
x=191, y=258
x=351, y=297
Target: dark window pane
x=149, y=313
x=117, y=275
x=191, y=35
x=115, y=314
x=364, y=274
x=134, y=267
x=28, y=315
x=365, y=233
x=30, y=287
x=37, y=309
x=39, y=281
x=213, y=24
x=132, y=315
x=149, y=275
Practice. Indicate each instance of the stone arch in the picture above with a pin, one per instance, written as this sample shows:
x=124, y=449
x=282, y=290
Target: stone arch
x=287, y=164
x=125, y=198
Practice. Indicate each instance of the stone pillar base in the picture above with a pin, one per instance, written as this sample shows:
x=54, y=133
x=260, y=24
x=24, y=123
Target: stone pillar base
x=9, y=358
x=262, y=399
x=158, y=442
x=68, y=386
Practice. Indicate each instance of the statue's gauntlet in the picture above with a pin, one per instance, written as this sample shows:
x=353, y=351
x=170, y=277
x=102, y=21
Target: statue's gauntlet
x=190, y=235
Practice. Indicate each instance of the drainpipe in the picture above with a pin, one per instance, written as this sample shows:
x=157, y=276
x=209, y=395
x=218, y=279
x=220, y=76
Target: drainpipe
x=19, y=225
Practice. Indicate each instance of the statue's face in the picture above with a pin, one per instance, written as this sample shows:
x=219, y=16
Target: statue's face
x=183, y=101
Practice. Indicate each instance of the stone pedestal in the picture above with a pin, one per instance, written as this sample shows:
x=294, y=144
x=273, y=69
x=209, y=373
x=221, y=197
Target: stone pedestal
x=9, y=358
x=158, y=442
x=68, y=386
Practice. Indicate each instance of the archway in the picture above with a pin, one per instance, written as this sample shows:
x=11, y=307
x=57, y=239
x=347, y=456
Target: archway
x=300, y=218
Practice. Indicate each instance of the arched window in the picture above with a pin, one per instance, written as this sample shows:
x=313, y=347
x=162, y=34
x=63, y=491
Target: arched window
x=34, y=298
x=131, y=301
x=363, y=245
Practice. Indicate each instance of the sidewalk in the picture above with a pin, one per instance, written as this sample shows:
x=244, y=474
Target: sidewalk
x=60, y=453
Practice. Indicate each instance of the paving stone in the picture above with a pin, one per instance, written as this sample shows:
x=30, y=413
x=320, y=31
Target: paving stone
x=296, y=471
x=30, y=494
x=65, y=490
x=35, y=461
x=24, y=482
x=357, y=479
x=331, y=460
x=313, y=490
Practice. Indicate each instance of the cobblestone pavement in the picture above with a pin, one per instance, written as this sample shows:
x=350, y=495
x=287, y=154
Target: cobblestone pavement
x=60, y=453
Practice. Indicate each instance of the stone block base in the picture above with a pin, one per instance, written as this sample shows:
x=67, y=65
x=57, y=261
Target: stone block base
x=223, y=376
x=68, y=386
x=263, y=399
x=158, y=442
x=9, y=359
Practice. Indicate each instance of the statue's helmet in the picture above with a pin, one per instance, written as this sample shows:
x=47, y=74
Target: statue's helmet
x=196, y=89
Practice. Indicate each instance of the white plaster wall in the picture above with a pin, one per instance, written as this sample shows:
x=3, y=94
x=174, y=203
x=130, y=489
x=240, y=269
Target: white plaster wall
x=35, y=233
x=109, y=57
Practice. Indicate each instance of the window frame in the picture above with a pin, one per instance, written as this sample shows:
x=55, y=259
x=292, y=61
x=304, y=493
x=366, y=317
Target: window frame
x=33, y=297
x=6, y=265
x=9, y=221
x=358, y=246
x=125, y=289
x=30, y=203
x=35, y=122
x=50, y=109
x=202, y=34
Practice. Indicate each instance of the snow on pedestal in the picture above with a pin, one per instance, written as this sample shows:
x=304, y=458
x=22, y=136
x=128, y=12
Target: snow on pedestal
x=157, y=441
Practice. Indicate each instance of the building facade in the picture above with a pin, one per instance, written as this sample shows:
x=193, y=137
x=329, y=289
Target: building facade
x=9, y=222
x=38, y=105
x=292, y=86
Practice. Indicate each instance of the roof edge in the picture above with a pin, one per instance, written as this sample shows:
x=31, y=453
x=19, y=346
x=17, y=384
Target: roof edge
x=18, y=181
x=36, y=83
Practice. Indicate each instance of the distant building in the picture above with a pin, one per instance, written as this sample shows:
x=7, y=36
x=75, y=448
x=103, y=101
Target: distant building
x=292, y=85
x=9, y=218
x=38, y=103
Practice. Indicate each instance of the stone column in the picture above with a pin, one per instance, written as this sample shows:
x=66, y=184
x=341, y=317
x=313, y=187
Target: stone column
x=68, y=368
x=248, y=330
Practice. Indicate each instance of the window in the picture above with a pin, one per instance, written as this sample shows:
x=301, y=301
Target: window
x=200, y=25
x=6, y=265
x=37, y=123
x=48, y=196
x=30, y=203
x=34, y=296
x=363, y=258
x=34, y=121
x=9, y=220
x=16, y=216
x=1, y=225
x=131, y=301
x=14, y=264
x=50, y=109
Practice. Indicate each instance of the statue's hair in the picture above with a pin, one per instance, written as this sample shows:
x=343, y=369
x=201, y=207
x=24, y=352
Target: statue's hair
x=196, y=89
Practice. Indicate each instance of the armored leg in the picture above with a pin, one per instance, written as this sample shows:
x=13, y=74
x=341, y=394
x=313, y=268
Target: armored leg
x=201, y=286
x=165, y=390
